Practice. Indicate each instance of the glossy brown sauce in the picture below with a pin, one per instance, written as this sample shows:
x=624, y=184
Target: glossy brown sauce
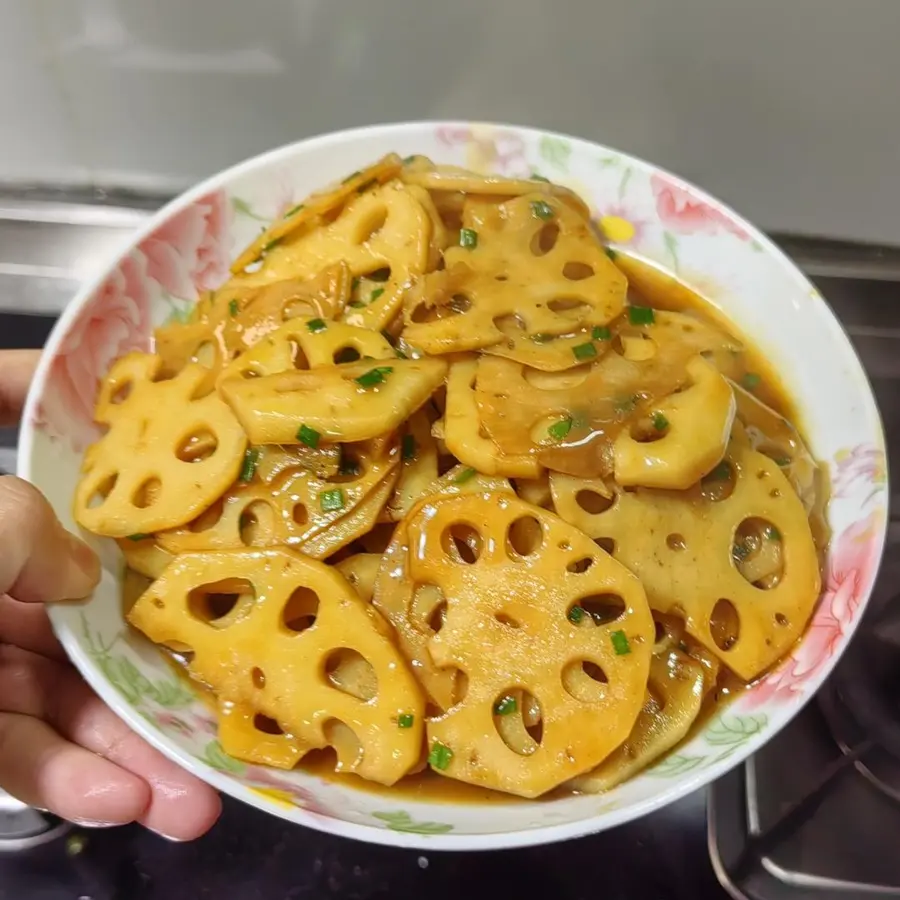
x=648, y=286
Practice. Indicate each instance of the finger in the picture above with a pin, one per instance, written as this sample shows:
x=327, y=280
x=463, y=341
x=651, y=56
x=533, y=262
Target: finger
x=16, y=371
x=44, y=770
x=180, y=806
x=40, y=561
x=26, y=625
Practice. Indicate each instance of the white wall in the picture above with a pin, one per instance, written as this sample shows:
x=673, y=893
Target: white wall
x=787, y=108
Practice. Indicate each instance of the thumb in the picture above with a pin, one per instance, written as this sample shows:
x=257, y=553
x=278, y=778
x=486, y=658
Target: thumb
x=39, y=560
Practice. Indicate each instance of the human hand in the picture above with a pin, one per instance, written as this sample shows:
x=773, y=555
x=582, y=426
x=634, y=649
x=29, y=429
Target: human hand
x=61, y=748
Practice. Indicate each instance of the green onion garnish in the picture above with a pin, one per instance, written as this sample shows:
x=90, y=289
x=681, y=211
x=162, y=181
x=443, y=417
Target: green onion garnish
x=375, y=294
x=541, y=338
x=354, y=284
x=751, y=381
x=468, y=238
x=620, y=643
x=440, y=756
x=409, y=446
x=352, y=175
x=408, y=159
x=293, y=210
x=625, y=405
x=611, y=253
x=722, y=472
x=584, y=351
x=601, y=333
x=405, y=720
x=542, y=209
x=331, y=501
x=308, y=436
x=536, y=177
x=465, y=476
x=357, y=304
x=772, y=533
x=576, y=614
x=316, y=325
x=374, y=376
x=505, y=705
x=641, y=315
x=138, y=537
x=248, y=467
x=273, y=243
x=781, y=461
x=660, y=422
x=558, y=430
x=233, y=308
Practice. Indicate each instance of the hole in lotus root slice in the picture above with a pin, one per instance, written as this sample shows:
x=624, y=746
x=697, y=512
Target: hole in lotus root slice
x=524, y=537
x=351, y=673
x=462, y=542
x=477, y=636
x=758, y=553
x=140, y=448
x=518, y=720
x=243, y=738
x=301, y=609
x=690, y=582
x=221, y=604
x=297, y=691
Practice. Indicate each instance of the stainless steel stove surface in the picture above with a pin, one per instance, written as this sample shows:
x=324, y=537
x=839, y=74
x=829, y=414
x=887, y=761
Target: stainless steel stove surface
x=768, y=834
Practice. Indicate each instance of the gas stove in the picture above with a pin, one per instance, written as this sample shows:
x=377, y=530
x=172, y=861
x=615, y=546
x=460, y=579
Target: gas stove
x=815, y=814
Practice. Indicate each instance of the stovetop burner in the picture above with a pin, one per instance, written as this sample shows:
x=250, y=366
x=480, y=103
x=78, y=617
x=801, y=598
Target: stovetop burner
x=22, y=828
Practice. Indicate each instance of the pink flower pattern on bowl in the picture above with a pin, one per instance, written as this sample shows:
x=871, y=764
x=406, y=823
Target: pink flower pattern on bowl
x=682, y=212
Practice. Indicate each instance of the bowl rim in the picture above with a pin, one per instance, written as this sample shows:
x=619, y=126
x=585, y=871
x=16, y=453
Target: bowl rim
x=542, y=834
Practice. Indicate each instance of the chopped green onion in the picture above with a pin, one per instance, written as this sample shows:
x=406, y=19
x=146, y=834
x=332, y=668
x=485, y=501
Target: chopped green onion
x=601, y=333
x=408, y=159
x=468, y=238
x=273, y=243
x=542, y=338
x=751, y=381
x=366, y=185
x=740, y=551
x=772, y=533
x=625, y=405
x=354, y=284
x=536, y=177
x=584, y=352
x=558, y=430
x=375, y=294
x=308, y=436
x=248, y=467
x=331, y=501
x=409, y=446
x=293, y=210
x=505, y=706
x=440, y=756
x=357, y=304
x=781, y=461
x=576, y=614
x=542, y=209
x=374, y=376
x=620, y=643
x=641, y=315
x=138, y=537
x=316, y=325
x=352, y=175
x=611, y=253
x=233, y=308
x=405, y=720
x=464, y=476
x=722, y=472
x=660, y=422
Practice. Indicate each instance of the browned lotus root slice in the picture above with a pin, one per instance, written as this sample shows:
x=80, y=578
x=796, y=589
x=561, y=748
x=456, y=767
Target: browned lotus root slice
x=538, y=270
x=675, y=689
x=331, y=401
x=306, y=343
x=145, y=474
x=416, y=611
x=684, y=436
x=688, y=548
x=289, y=647
x=324, y=461
x=144, y=555
x=512, y=575
x=290, y=511
x=310, y=213
x=462, y=431
x=256, y=739
x=383, y=228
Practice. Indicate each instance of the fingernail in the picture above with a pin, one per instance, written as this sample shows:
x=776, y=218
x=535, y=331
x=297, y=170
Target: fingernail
x=93, y=823
x=167, y=837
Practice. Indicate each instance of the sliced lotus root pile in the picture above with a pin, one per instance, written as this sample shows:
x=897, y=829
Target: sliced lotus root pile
x=305, y=343
x=689, y=551
x=296, y=645
x=385, y=228
x=153, y=470
x=525, y=271
x=675, y=695
x=316, y=208
x=462, y=431
x=417, y=611
x=532, y=605
x=682, y=438
x=290, y=511
x=351, y=402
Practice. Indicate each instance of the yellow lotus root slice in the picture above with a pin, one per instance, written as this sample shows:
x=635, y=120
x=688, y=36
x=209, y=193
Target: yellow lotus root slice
x=351, y=402
x=254, y=738
x=290, y=511
x=534, y=262
x=682, y=438
x=146, y=473
x=416, y=611
x=383, y=228
x=298, y=646
x=419, y=466
x=144, y=555
x=689, y=550
x=323, y=460
x=462, y=432
x=521, y=588
x=675, y=695
x=361, y=572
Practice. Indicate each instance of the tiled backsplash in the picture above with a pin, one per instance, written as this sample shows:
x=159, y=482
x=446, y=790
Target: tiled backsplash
x=787, y=109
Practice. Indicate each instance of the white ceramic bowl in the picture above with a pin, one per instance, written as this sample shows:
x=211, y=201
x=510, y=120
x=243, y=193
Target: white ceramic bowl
x=187, y=247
